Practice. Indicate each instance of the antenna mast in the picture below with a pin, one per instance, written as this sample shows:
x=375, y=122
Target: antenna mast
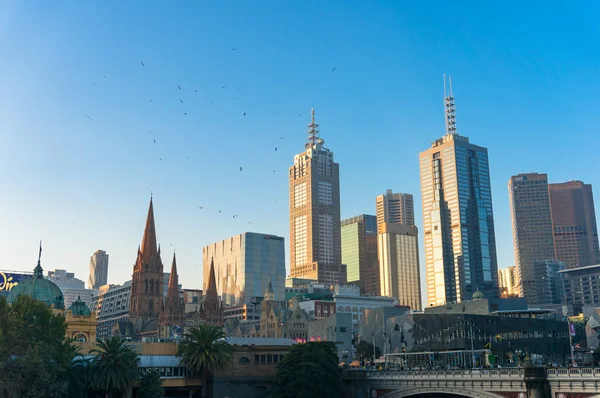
x=313, y=131
x=449, y=109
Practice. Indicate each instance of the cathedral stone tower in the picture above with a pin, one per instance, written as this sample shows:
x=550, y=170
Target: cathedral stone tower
x=147, y=282
x=172, y=315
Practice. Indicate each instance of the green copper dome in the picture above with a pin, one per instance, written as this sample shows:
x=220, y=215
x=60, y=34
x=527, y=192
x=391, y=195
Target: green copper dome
x=40, y=289
x=478, y=295
x=78, y=308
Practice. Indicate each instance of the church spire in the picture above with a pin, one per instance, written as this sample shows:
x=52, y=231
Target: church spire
x=38, y=272
x=211, y=287
x=173, y=289
x=149, y=241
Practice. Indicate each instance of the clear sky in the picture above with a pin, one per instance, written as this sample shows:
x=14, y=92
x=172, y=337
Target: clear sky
x=526, y=82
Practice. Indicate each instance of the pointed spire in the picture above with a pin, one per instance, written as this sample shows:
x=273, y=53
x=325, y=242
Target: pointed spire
x=38, y=272
x=173, y=289
x=211, y=287
x=270, y=287
x=149, y=240
x=313, y=131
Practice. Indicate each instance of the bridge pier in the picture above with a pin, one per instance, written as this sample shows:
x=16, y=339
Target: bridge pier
x=536, y=382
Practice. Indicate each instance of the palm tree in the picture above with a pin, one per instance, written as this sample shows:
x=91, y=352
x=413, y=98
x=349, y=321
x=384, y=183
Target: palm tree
x=151, y=385
x=77, y=373
x=115, y=368
x=203, y=351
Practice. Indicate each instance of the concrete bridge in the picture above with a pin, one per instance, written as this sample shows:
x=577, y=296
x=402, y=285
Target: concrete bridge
x=528, y=382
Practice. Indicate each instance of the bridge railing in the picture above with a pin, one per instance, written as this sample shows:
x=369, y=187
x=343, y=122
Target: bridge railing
x=580, y=373
x=518, y=373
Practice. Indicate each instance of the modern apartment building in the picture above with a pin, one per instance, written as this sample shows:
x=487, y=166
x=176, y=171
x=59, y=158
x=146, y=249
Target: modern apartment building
x=574, y=223
x=71, y=287
x=244, y=264
x=359, y=252
x=395, y=208
x=399, y=273
x=458, y=220
x=508, y=282
x=532, y=228
x=111, y=305
x=98, y=270
x=315, y=233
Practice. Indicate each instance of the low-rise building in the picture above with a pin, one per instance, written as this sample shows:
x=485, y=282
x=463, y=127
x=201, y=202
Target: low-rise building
x=581, y=288
x=336, y=328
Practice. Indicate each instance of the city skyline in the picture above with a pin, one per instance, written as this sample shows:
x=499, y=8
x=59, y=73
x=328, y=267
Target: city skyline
x=48, y=93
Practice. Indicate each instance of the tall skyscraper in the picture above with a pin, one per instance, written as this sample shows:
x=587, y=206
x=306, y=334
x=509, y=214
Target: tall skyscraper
x=508, y=281
x=98, y=270
x=458, y=221
x=243, y=266
x=315, y=241
x=399, y=274
x=574, y=223
x=147, y=282
x=395, y=208
x=359, y=252
x=532, y=229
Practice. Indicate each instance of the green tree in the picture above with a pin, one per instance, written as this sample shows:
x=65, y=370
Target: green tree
x=151, y=385
x=365, y=349
x=580, y=335
x=115, y=368
x=34, y=353
x=77, y=374
x=203, y=351
x=309, y=370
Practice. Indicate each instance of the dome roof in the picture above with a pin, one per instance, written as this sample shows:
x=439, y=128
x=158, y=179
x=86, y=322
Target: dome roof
x=478, y=295
x=79, y=308
x=39, y=289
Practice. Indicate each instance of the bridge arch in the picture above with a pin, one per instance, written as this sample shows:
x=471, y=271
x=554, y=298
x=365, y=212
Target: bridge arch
x=436, y=392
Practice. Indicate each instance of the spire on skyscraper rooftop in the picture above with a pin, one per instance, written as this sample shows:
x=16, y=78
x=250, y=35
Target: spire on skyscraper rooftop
x=449, y=109
x=313, y=132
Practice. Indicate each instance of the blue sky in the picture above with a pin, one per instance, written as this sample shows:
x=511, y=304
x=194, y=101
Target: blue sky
x=526, y=82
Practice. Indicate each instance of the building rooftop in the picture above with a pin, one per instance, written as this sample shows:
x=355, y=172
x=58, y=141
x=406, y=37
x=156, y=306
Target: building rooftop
x=260, y=341
x=587, y=267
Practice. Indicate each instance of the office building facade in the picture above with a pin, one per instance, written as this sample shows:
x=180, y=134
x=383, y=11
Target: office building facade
x=359, y=252
x=574, y=224
x=458, y=220
x=71, y=287
x=508, y=281
x=98, y=269
x=399, y=274
x=111, y=306
x=532, y=228
x=244, y=264
x=395, y=208
x=581, y=288
x=315, y=234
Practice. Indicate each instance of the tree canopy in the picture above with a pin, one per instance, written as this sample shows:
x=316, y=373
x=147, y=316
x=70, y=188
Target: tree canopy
x=365, y=349
x=34, y=354
x=151, y=385
x=309, y=370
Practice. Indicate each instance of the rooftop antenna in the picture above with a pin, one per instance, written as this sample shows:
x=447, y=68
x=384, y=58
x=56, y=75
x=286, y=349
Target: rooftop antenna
x=449, y=108
x=313, y=131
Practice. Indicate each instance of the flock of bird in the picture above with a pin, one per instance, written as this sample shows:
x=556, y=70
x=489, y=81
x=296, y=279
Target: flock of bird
x=179, y=88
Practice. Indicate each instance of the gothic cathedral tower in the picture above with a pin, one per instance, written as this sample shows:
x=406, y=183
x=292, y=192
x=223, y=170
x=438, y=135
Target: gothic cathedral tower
x=171, y=320
x=147, y=281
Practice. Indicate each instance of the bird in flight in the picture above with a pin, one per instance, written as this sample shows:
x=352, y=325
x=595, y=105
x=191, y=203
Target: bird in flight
x=281, y=138
x=240, y=166
x=179, y=87
x=154, y=140
x=235, y=216
x=223, y=87
x=104, y=77
x=212, y=102
x=249, y=222
x=185, y=113
x=233, y=49
x=160, y=158
x=275, y=149
x=195, y=91
x=201, y=207
x=244, y=114
x=95, y=84
x=299, y=114
x=89, y=118
x=142, y=63
x=149, y=132
x=219, y=211
x=180, y=100
x=333, y=70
